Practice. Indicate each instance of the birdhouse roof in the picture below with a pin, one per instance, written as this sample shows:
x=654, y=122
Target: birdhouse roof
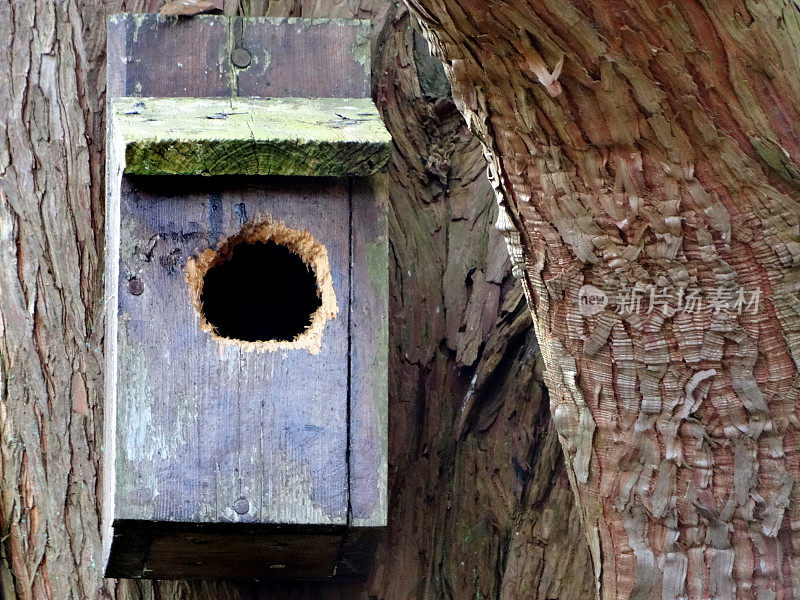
x=333, y=137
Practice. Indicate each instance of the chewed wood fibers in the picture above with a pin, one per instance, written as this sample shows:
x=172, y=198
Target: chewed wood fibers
x=300, y=243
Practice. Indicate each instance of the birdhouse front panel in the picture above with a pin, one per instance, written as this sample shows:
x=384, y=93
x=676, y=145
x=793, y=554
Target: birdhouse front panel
x=244, y=431
x=246, y=342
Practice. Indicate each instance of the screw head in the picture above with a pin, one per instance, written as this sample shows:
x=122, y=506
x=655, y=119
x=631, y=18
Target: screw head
x=241, y=506
x=241, y=57
x=136, y=286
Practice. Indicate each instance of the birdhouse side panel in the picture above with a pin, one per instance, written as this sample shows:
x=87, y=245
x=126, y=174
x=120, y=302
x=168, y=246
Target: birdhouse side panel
x=369, y=352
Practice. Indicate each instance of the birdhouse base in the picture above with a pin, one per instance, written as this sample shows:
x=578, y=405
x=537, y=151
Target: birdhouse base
x=153, y=550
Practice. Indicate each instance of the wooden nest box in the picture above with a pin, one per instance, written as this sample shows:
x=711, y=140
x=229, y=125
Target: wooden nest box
x=247, y=288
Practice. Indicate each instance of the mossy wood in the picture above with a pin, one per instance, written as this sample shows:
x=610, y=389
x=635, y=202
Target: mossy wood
x=226, y=458
x=244, y=136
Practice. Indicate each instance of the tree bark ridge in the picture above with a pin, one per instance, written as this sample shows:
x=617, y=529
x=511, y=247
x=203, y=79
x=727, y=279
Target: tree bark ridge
x=651, y=143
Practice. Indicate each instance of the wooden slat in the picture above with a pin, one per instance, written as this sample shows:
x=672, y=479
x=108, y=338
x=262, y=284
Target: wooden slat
x=152, y=56
x=279, y=136
x=233, y=554
x=369, y=347
x=310, y=58
x=171, y=57
x=158, y=550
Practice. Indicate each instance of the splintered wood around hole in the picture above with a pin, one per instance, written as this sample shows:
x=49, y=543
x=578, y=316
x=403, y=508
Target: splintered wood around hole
x=267, y=238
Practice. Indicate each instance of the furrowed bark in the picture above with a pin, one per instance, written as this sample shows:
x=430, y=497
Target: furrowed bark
x=480, y=504
x=654, y=143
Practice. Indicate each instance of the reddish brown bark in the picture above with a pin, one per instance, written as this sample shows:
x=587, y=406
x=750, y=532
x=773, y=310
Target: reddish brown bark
x=655, y=143
x=480, y=503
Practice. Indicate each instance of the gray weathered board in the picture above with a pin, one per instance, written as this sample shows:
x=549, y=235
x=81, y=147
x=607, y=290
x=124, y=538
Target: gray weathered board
x=197, y=429
x=177, y=57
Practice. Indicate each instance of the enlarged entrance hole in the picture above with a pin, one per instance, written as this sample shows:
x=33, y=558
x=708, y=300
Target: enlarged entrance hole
x=267, y=288
x=262, y=292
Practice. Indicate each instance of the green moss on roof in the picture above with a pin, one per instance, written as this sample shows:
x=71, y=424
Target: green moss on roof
x=225, y=136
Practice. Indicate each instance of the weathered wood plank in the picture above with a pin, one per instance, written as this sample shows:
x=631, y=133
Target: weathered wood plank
x=169, y=57
x=269, y=427
x=158, y=550
x=172, y=57
x=294, y=57
x=369, y=347
x=279, y=136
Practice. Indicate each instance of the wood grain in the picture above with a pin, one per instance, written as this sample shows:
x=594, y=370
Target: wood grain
x=653, y=146
x=168, y=57
x=174, y=57
x=514, y=528
x=242, y=136
x=168, y=550
x=311, y=58
x=200, y=429
x=201, y=426
x=369, y=347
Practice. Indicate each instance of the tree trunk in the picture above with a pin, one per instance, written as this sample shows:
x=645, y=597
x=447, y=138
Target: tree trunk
x=663, y=154
x=480, y=503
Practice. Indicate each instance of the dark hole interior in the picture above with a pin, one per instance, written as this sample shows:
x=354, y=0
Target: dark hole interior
x=263, y=291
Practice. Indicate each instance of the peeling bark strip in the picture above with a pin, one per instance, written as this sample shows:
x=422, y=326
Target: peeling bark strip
x=665, y=155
